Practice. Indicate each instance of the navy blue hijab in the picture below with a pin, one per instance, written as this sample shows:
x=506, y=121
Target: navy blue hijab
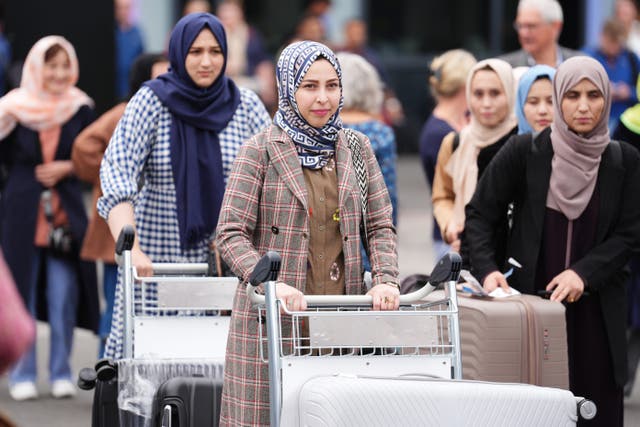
x=197, y=116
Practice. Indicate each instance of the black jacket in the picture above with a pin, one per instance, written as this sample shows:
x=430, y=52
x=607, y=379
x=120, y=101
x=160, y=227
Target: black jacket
x=520, y=173
x=485, y=156
x=19, y=208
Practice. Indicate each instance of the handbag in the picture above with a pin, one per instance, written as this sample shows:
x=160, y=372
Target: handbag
x=61, y=241
x=17, y=327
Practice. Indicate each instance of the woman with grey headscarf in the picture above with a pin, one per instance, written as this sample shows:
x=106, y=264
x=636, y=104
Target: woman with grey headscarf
x=576, y=219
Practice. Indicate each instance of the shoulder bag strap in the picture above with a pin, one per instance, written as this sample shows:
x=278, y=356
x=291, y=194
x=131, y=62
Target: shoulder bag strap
x=361, y=174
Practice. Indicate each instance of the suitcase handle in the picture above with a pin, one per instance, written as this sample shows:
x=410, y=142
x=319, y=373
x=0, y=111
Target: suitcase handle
x=166, y=416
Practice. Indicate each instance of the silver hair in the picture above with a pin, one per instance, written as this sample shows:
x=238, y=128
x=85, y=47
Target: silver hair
x=362, y=88
x=550, y=10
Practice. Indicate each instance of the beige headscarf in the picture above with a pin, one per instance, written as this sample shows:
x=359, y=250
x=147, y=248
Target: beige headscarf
x=463, y=165
x=576, y=159
x=33, y=107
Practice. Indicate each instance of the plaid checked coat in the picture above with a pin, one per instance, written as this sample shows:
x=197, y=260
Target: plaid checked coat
x=265, y=208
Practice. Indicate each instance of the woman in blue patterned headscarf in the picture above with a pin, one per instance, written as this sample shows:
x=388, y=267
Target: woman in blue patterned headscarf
x=293, y=189
x=315, y=145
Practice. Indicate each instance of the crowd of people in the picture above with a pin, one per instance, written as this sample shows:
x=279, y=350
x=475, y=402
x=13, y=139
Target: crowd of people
x=532, y=155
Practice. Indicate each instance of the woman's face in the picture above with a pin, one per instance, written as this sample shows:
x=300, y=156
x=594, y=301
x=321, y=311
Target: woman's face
x=538, y=107
x=318, y=95
x=57, y=73
x=582, y=107
x=488, y=101
x=205, y=60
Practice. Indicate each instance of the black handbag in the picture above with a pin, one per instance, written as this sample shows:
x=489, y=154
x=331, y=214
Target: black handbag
x=61, y=241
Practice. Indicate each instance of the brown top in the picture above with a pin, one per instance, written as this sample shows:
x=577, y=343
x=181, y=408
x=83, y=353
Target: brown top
x=88, y=150
x=325, y=266
x=442, y=194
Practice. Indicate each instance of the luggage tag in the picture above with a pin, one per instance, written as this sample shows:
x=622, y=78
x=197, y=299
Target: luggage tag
x=470, y=285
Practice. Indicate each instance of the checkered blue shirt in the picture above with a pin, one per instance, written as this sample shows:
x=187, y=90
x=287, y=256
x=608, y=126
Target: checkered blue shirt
x=139, y=154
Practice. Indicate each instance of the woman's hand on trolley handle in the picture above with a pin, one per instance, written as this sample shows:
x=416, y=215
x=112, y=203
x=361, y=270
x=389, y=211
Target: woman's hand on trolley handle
x=141, y=262
x=290, y=297
x=386, y=296
x=120, y=216
x=566, y=286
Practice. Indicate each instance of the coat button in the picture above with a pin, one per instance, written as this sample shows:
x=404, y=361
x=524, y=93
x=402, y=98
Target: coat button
x=275, y=230
x=304, y=235
x=346, y=238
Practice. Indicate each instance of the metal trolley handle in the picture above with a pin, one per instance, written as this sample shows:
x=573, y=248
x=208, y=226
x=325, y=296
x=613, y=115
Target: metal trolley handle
x=446, y=270
x=123, y=258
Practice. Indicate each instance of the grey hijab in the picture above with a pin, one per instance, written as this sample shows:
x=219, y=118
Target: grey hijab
x=576, y=158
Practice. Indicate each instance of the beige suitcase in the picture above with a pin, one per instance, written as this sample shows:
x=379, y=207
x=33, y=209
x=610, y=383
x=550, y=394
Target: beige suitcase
x=519, y=339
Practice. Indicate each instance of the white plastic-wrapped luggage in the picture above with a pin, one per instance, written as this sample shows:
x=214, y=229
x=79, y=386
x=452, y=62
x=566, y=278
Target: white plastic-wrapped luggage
x=354, y=401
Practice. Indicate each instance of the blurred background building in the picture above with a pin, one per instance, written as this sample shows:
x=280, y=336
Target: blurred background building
x=404, y=34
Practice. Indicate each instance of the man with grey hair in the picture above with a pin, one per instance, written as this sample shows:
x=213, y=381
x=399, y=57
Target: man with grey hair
x=538, y=24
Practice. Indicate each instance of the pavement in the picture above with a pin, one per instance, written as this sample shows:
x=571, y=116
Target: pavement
x=415, y=256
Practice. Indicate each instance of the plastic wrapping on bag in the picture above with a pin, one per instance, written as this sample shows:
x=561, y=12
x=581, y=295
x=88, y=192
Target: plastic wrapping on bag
x=138, y=381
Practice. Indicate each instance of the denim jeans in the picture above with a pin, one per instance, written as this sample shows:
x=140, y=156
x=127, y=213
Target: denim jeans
x=110, y=278
x=62, y=303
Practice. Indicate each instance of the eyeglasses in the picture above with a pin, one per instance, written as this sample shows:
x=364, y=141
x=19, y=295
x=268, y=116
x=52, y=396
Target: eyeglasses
x=530, y=26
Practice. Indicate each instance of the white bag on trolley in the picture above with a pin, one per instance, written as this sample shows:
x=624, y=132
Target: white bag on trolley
x=348, y=400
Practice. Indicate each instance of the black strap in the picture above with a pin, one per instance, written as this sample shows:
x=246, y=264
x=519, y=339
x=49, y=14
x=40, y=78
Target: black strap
x=361, y=174
x=616, y=152
x=456, y=142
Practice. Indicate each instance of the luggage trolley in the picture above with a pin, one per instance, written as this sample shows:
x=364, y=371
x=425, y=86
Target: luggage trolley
x=341, y=334
x=386, y=367
x=176, y=324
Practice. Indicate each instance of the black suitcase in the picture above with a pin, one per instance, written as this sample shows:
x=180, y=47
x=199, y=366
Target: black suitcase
x=104, y=380
x=188, y=402
x=105, y=404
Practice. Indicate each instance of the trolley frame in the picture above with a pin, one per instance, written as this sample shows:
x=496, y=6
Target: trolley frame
x=373, y=342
